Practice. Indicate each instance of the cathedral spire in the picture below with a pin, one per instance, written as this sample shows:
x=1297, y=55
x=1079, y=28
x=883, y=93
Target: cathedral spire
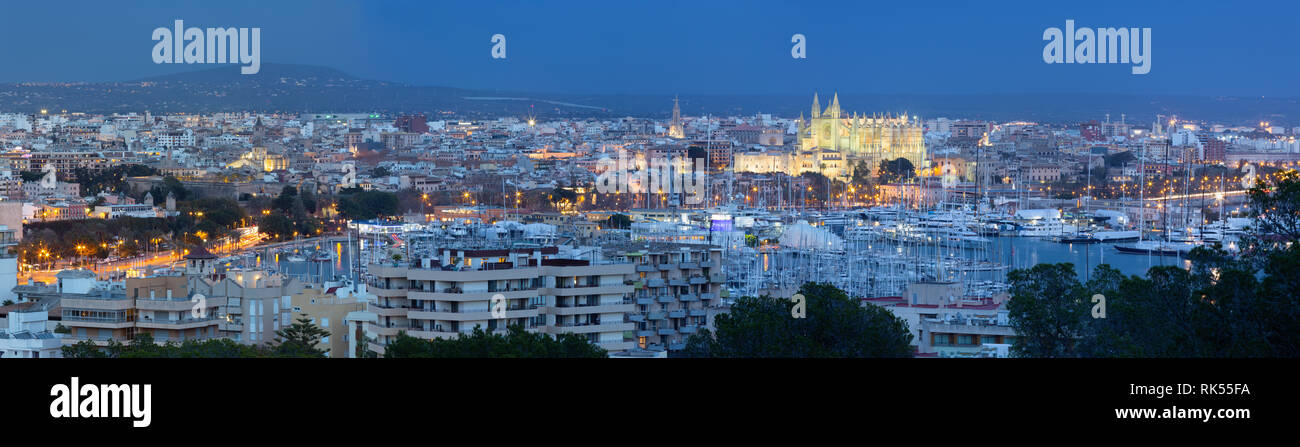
x=834, y=110
x=817, y=108
x=675, y=128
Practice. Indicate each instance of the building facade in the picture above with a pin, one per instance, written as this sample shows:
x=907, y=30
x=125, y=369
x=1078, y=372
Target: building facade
x=493, y=289
x=678, y=290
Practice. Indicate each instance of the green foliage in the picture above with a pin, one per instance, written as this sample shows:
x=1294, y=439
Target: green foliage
x=1227, y=305
x=300, y=339
x=1119, y=159
x=1046, y=309
x=144, y=346
x=516, y=343
x=279, y=226
x=559, y=195
x=84, y=349
x=31, y=176
x=834, y=325
x=173, y=186
x=111, y=179
x=1276, y=207
x=619, y=221
x=361, y=204
x=896, y=170
x=100, y=236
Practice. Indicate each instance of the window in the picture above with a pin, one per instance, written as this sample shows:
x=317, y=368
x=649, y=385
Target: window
x=941, y=339
x=324, y=322
x=965, y=339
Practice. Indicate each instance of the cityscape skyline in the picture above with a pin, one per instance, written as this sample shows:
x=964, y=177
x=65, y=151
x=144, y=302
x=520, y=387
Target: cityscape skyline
x=281, y=88
x=415, y=185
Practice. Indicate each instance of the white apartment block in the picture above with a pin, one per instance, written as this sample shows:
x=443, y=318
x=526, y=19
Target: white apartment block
x=452, y=293
x=678, y=290
x=28, y=336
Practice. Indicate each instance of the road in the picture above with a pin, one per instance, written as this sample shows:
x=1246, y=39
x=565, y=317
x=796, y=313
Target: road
x=163, y=259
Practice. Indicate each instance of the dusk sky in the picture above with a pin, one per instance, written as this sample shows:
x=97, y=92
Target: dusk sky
x=1198, y=48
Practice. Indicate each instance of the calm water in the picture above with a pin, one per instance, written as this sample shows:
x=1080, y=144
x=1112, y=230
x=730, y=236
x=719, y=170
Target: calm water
x=313, y=271
x=1022, y=252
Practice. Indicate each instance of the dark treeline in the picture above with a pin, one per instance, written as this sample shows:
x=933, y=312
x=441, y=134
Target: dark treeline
x=1227, y=305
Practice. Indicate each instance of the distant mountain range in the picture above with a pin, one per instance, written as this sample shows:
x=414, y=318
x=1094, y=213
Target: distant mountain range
x=303, y=88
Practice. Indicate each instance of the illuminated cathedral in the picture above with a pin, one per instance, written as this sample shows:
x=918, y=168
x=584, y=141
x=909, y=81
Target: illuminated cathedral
x=862, y=138
x=832, y=144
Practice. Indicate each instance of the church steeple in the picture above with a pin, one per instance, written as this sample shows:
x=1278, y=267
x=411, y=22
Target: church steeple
x=817, y=108
x=834, y=110
x=675, y=129
x=259, y=132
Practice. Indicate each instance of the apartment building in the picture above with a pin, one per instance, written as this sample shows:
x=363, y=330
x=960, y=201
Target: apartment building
x=451, y=292
x=328, y=308
x=27, y=334
x=245, y=306
x=253, y=304
x=677, y=290
x=947, y=324
x=66, y=161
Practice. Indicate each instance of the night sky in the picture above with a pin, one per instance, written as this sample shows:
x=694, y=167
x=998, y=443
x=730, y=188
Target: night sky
x=701, y=47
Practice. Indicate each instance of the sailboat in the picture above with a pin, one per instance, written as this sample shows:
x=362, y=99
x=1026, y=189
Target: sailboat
x=1151, y=247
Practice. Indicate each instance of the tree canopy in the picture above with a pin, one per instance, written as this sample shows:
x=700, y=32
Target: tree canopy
x=896, y=170
x=833, y=325
x=619, y=221
x=360, y=204
x=1226, y=305
x=516, y=343
x=297, y=340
